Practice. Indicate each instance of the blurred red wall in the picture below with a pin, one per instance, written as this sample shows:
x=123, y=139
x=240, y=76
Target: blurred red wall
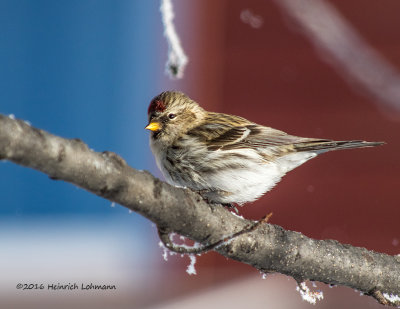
x=273, y=75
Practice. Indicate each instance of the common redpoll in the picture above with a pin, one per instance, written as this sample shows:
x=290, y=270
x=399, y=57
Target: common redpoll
x=227, y=158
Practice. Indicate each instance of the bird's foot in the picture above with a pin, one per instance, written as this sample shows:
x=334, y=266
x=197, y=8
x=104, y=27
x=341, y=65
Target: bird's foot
x=212, y=196
x=231, y=206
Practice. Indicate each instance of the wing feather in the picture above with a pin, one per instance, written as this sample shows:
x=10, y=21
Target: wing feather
x=227, y=132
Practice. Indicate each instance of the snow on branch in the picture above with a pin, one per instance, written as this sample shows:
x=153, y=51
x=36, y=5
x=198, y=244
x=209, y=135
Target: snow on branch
x=267, y=247
x=307, y=294
x=177, y=58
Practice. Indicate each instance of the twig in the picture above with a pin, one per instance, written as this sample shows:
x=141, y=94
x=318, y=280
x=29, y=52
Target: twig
x=384, y=299
x=165, y=238
x=177, y=58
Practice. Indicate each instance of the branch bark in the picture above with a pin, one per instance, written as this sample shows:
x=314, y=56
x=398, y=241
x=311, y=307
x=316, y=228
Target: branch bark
x=268, y=247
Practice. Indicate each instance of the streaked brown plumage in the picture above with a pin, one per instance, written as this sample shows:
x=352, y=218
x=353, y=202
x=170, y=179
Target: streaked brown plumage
x=228, y=158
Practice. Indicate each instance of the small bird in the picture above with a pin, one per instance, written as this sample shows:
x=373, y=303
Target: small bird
x=227, y=158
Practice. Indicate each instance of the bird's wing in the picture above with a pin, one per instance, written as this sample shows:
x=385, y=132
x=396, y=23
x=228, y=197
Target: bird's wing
x=227, y=132
x=257, y=137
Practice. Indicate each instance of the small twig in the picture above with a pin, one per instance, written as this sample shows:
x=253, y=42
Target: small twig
x=378, y=295
x=166, y=240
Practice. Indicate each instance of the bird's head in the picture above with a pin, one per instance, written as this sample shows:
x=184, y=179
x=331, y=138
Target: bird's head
x=171, y=114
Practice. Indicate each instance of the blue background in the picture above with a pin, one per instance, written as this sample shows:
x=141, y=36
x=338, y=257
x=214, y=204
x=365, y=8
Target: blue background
x=78, y=69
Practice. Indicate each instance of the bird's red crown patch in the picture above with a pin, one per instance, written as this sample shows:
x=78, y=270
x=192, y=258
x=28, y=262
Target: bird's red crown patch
x=156, y=106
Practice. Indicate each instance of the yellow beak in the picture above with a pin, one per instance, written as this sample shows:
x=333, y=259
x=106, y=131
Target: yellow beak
x=153, y=126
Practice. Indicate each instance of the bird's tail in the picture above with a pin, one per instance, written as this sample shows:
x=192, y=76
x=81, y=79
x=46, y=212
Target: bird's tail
x=319, y=146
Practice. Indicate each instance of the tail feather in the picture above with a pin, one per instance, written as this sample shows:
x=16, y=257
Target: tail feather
x=320, y=146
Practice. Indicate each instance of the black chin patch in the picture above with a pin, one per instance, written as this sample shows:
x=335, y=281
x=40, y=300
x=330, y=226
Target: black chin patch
x=156, y=134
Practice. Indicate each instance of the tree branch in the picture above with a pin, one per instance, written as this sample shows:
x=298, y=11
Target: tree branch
x=268, y=247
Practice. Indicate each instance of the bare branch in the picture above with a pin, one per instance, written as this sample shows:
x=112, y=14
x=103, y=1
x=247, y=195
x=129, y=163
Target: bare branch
x=267, y=247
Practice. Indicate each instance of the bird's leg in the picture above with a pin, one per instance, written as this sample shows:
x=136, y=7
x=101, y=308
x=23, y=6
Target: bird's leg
x=206, y=194
x=231, y=206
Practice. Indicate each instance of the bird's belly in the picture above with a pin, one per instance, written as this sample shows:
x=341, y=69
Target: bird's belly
x=224, y=184
x=230, y=180
x=243, y=185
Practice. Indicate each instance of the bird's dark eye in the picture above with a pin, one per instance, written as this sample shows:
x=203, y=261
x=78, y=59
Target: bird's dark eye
x=171, y=116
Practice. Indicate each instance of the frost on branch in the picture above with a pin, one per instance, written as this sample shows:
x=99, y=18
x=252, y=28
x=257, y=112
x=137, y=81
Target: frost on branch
x=394, y=299
x=191, y=270
x=177, y=58
x=307, y=294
